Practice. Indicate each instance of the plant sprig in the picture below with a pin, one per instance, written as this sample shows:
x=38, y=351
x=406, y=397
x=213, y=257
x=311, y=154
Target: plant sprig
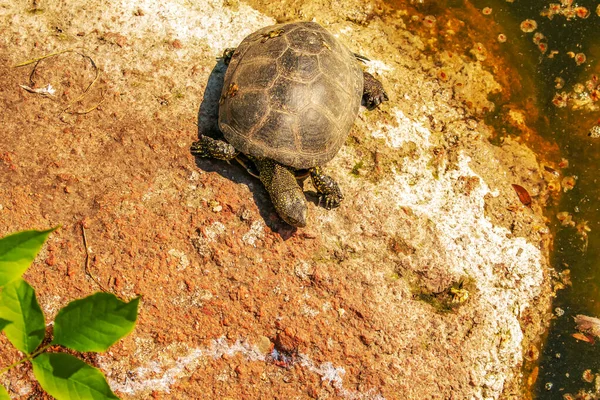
x=93, y=323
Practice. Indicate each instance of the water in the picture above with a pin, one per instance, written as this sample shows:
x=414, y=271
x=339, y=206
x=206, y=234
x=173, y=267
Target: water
x=562, y=135
x=563, y=358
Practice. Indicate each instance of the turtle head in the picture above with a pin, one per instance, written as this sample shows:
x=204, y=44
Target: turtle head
x=287, y=196
x=291, y=207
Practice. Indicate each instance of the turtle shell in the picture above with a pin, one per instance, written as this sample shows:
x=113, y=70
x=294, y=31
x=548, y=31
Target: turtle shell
x=291, y=93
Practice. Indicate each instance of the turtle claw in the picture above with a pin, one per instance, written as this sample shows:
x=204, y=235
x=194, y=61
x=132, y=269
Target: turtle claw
x=373, y=92
x=375, y=97
x=373, y=102
x=331, y=200
x=329, y=192
x=209, y=147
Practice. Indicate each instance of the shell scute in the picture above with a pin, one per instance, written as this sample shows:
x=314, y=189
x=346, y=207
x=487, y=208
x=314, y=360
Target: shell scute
x=307, y=41
x=286, y=95
x=246, y=110
x=256, y=75
x=315, y=131
x=298, y=66
x=277, y=132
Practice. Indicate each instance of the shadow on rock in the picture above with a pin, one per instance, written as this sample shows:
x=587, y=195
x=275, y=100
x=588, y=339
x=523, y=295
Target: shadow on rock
x=208, y=124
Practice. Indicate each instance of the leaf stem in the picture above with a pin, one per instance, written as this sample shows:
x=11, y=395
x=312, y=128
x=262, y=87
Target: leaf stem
x=26, y=358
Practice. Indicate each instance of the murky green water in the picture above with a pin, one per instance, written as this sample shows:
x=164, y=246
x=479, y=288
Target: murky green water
x=564, y=359
x=562, y=130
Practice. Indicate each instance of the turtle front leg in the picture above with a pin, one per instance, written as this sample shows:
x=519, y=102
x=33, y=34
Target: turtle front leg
x=212, y=148
x=373, y=92
x=328, y=189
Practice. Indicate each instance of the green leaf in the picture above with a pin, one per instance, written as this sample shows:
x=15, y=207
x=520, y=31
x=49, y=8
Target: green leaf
x=3, y=323
x=3, y=393
x=94, y=323
x=19, y=306
x=65, y=377
x=17, y=252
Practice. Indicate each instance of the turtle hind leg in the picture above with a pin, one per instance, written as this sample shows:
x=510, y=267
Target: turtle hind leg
x=373, y=92
x=209, y=147
x=328, y=190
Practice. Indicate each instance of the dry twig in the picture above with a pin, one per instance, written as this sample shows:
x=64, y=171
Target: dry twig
x=87, y=260
x=81, y=96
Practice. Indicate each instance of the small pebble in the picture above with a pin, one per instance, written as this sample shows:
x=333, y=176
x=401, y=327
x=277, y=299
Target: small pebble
x=580, y=58
x=594, y=132
x=528, y=25
x=538, y=37
x=568, y=183
x=582, y=12
x=264, y=344
x=588, y=376
x=564, y=163
x=559, y=312
x=429, y=21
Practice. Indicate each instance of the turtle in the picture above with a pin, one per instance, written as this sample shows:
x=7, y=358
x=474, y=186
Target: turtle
x=290, y=96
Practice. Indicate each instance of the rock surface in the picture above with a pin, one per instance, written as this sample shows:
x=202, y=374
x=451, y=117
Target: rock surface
x=430, y=281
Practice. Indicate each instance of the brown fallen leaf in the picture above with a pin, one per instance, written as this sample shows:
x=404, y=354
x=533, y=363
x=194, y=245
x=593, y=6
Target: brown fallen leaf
x=583, y=337
x=532, y=378
x=523, y=194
